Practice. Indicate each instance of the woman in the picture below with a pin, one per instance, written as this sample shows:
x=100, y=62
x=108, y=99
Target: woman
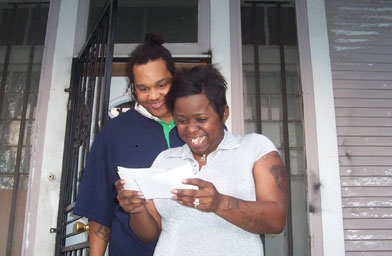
x=242, y=182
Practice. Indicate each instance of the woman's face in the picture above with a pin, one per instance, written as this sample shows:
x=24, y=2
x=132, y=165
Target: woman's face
x=198, y=124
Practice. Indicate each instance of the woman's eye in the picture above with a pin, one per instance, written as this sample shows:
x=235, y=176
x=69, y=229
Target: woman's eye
x=202, y=120
x=181, y=121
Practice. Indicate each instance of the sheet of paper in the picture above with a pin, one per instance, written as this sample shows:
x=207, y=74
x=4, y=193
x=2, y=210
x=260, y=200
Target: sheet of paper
x=129, y=175
x=154, y=182
x=160, y=184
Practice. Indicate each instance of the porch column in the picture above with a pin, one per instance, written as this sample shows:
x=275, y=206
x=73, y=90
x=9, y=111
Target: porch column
x=325, y=127
x=48, y=136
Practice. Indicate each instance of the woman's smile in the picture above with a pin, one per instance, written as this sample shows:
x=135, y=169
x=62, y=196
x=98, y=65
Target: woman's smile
x=198, y=124
x=198, y=140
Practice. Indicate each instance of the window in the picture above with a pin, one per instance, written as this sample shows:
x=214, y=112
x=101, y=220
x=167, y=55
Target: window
x=22, y=33
x=273, y=106
x=179, y=23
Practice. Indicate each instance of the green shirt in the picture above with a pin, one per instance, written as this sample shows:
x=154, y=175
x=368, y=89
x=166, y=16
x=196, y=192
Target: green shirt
x=166, y=130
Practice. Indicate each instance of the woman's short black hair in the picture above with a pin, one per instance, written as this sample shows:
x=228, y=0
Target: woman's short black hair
x=203, y=79
x=151, y=49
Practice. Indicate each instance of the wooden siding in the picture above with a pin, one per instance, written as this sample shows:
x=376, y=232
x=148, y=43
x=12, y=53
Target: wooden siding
x=360, y=38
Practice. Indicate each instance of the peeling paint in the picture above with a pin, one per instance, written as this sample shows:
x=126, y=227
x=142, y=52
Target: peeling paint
x=364, y=25
x=340, y=40
x=378, y=17
x=362, y=9
x=376, y=203
x=347, y=64
x=353, y=33
x=344, y=48
x=358, y=237
x=367, y=181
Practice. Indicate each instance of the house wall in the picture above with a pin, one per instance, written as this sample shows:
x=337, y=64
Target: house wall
x=360, y=39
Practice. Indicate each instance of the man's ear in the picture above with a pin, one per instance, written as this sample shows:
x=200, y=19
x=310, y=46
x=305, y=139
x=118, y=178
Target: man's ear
x=226, y=113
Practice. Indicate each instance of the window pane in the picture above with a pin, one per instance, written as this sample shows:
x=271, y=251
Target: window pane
x=294, y=111
x=250, y=127
x=297, y=162
x=176, y=21
x=23, y=21
x=250, y=107
x=276, y=108
x=269, y=83
x=295, y=134
x=273, y=131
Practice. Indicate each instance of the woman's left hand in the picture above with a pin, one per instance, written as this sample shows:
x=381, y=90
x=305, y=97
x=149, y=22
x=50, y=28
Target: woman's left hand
x=206, y=199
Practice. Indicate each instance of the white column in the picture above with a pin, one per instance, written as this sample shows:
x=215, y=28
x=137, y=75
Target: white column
x=331, y=204
x=49, y=130
x=220, y=44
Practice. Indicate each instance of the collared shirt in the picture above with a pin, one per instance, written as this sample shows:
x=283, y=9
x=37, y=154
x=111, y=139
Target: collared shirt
x=188, y=231
x=143, y=111
x=166, y=127
x=130, y=140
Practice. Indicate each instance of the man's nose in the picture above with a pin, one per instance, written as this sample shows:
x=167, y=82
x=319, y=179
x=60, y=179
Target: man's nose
x=153, y=95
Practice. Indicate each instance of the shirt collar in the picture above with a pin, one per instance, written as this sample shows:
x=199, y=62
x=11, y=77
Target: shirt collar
x=229, y=142
x=143, y=111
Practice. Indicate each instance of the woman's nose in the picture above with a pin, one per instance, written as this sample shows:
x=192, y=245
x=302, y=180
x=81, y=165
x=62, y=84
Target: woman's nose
x=192, y=127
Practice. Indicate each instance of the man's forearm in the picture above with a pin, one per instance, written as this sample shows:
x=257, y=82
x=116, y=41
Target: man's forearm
x=98, y=238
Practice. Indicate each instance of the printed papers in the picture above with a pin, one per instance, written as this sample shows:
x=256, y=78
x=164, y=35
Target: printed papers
x=156, y=183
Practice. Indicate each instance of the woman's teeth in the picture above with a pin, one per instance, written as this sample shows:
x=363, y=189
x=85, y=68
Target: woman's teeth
x=198, y=140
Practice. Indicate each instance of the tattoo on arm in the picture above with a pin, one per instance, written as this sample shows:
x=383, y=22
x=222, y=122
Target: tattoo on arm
x=233, y=204
x=103, y=232
x=281, y=177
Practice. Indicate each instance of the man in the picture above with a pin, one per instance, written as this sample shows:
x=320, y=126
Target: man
x=131, y=140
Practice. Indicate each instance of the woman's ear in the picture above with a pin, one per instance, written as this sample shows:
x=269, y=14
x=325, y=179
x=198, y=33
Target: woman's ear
x=226, y=113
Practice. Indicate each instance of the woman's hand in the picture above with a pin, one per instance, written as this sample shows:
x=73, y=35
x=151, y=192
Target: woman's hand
x=144, y=220
x=129, y=200
x=206, y=199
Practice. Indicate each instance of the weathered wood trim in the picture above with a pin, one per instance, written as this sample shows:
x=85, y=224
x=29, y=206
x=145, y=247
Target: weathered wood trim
x=312, y=162
x=328, y=165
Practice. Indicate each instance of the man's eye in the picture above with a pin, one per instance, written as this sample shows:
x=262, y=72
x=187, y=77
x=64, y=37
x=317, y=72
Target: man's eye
x=202, y=120
x=143, y=89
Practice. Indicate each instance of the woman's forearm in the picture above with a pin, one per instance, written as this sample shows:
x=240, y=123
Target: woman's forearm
x=144, y=226
x=255, y=217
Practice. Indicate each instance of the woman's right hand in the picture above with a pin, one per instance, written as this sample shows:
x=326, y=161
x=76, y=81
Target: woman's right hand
x=129, y=200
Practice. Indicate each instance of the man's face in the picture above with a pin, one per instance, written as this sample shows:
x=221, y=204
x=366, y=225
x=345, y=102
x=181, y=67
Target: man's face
x=152, y=83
